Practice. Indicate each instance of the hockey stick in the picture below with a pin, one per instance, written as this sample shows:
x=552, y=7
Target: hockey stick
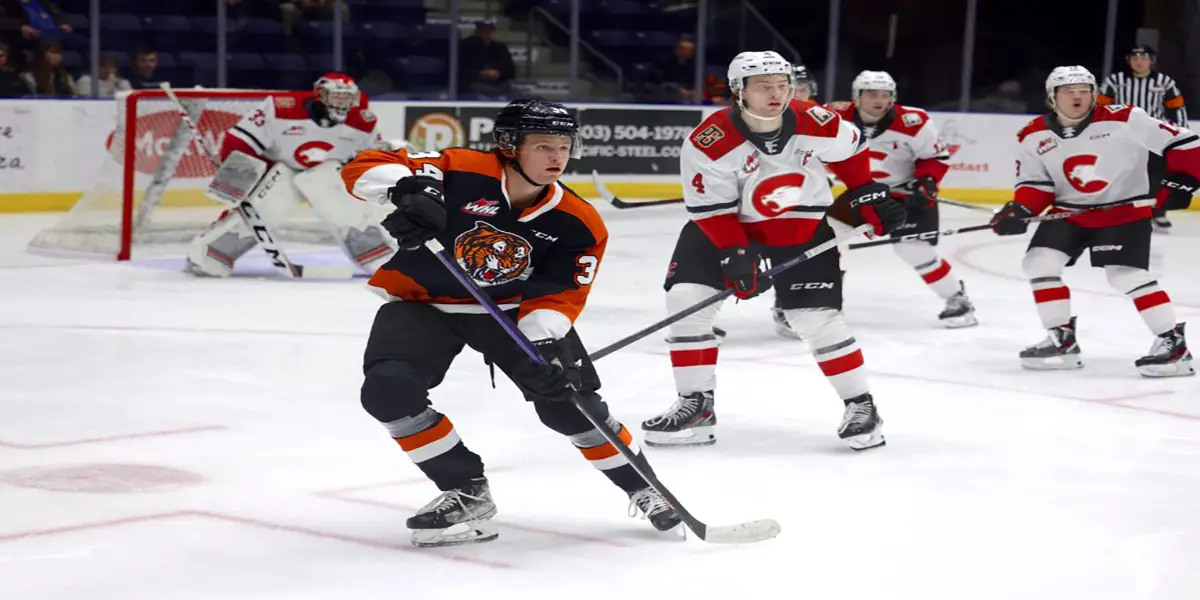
x=742, y=533
x=619, y=203
x=250, y=215
x=929, y=235
x=718, y=297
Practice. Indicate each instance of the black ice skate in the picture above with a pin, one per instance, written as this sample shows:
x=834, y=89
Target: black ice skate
x=959, y=311
x=861, y=427
x=782, y=328
x=1058, y=351
x=460, y=516
x=1169, y=356
x=689, y=422
x=1162, y=224
x=653, y=507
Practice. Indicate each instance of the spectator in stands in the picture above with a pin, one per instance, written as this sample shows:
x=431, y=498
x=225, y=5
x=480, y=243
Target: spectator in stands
x=293, y=11
x=485, y=64
x=145, y=62
x=48, y=78
x=34, y=20
x=110, y=82
x=676, y=75
x=11, y=86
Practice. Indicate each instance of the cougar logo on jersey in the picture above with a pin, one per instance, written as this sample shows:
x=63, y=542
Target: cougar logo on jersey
x=1081, y=173
x=491, y=256
x=310, y=154
x=776, y=195
x=711, y=135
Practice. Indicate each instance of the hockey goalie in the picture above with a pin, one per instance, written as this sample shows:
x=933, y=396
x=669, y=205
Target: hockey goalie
x=288, y=149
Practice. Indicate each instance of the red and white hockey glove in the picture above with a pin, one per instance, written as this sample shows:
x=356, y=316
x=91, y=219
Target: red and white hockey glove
x=877, y=207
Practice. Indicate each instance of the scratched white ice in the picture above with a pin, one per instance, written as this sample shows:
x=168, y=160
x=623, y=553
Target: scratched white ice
x=167, y=437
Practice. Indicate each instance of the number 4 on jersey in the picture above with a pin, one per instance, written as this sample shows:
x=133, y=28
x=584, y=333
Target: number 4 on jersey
x=698, y=183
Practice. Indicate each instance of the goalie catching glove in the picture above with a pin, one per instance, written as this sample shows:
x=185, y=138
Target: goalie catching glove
x=420, y=213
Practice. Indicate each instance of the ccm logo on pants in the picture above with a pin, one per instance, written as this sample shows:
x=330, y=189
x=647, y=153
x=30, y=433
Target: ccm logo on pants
x=812, y=285
x=1111, y=248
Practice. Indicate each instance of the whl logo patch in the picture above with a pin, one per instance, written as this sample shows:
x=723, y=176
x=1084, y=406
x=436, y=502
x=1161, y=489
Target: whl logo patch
x=482, y=207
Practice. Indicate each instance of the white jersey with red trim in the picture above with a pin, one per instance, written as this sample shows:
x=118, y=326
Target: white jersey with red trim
x=903, y=145
x=281, y=129
x=1098, y=162
x=776, y=188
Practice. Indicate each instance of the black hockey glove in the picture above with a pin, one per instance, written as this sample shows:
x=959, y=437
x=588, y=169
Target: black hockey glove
x=877, y=207
x=1180, y=187
x=739, y=265
x=559, y=379
x=922, y=192
x=420, y=213
x=1011, y=219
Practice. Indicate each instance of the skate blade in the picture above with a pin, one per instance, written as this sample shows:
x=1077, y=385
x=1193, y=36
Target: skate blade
x=455, y=535
x=787, y=333
x=1058, y=363
x=1182, y=368
x=866, y=441
x=967, y=320
x=695, y=436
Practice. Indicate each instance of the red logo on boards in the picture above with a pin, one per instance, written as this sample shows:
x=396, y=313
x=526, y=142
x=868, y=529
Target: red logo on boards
x=152, y=135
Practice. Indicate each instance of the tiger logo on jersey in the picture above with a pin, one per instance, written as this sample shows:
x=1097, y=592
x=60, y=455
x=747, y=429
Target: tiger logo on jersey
x=491, y=256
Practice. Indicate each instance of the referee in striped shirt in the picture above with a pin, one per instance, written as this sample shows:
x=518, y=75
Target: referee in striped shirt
x=1153, y=92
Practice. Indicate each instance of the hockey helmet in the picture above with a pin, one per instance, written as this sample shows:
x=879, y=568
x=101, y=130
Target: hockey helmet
x=1061, y=76
x=873, y=80
x=525, y=116
x=748, y=64
x=800, y=75
x=339, y=93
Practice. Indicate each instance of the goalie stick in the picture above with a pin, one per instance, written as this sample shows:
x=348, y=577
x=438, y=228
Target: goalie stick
x=718, y=297
x=250, y=215
x=742, y=533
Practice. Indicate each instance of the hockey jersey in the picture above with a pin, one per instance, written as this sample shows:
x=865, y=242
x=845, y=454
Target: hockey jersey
x=282, y=129
x=738, y=185
x=541, y=260
x=903, y=145
x=1099, y=162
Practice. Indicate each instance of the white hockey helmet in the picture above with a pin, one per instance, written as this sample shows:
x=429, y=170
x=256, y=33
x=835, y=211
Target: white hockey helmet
x=873, y=80
x=748, y=64
x=1066, y=76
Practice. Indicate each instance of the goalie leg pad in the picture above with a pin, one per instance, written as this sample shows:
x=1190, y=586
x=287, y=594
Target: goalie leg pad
x=214, y=252
x=353, y=222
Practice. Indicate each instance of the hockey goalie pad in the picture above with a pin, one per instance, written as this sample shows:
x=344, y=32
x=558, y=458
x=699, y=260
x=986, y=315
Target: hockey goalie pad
x=236, y=178
x=354, y=223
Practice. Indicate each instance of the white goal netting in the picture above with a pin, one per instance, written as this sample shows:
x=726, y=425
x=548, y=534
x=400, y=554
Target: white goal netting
x=149, y=196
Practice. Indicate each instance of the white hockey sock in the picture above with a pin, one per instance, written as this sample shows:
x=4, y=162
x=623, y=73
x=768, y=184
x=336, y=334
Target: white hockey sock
x=834, y=347
x=691, y=340
x=1151, y=301
x=1053, y=299
x=936, y=272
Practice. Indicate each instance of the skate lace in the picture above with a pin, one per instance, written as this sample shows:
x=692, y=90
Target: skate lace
x=448, y=501
x=1164, y=345
x=857, y=411
x=653, y=502
x=683, y=408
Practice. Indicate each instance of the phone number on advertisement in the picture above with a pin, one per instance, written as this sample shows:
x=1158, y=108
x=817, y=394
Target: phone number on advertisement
x=658, y=133
x=603, y=151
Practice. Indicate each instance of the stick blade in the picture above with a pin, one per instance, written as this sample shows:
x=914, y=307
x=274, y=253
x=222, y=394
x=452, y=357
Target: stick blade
x=743, y=533
x=330, y=272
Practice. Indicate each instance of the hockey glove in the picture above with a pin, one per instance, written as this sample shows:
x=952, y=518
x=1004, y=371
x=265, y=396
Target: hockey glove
x=740, y=267
x=877, y=207
x=1179, y=187
x=922, y=193
x=1011, y=219
x=559, y=379
x=420, y=213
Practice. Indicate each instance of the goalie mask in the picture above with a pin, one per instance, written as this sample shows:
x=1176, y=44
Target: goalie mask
x=339, y=94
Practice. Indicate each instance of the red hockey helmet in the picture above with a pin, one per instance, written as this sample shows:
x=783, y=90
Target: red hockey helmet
x=339, y=93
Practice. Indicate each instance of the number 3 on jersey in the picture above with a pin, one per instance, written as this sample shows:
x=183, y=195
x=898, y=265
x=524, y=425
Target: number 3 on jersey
x=587, y=269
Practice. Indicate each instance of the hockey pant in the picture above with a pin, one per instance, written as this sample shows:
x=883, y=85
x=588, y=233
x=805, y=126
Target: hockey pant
x=409, y=351
x=353, y=223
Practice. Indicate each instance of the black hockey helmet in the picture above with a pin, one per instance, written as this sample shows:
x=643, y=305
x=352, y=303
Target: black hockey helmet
x=1141, y=50
x=525, y=116
x=800, y=74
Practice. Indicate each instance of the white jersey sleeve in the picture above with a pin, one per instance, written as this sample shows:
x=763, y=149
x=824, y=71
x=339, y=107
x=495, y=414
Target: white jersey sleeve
x=1156, y=136
x=927, y=144
x=708, y=191
x=1031, y=170
x=256, y=128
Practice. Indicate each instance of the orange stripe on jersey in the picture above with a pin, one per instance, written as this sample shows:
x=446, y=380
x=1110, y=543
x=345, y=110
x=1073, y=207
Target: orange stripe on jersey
x=607, y=450
x=399, y=285
x=570, y=302
x=450, y=159
x=429, y=436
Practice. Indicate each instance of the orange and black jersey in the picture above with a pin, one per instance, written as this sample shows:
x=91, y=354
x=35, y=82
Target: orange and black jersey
x=542, y=259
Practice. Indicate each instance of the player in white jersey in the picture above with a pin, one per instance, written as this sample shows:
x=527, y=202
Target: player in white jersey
x=1083, y=157
x=908, y=156
x=755, y=187
x=304, y=138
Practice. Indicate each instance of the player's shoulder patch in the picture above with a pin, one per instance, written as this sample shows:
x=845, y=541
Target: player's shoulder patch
x=817, y=121
x=913, y=119
x=821, y=115
x=716, y=135
x=285, y=102
x=367, y=115
x=1112, y=112
x=1035, y=125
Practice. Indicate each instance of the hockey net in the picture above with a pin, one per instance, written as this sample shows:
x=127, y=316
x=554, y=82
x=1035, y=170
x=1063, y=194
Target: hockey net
x=149, y=196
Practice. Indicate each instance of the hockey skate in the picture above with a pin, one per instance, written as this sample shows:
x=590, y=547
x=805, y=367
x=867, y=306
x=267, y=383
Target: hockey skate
x=959, y=311
x=689, y=422
x=1162, y=224
x=654, y=508
x=782, y=328
x=1168, y=357
x=460, y=516
x=861, y=427
x=1058, y=351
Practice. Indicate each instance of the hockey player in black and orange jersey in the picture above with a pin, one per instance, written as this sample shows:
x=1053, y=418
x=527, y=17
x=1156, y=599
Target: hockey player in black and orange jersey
x=533, y=246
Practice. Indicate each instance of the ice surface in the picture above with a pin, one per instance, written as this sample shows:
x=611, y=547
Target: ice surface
x=169, y=437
